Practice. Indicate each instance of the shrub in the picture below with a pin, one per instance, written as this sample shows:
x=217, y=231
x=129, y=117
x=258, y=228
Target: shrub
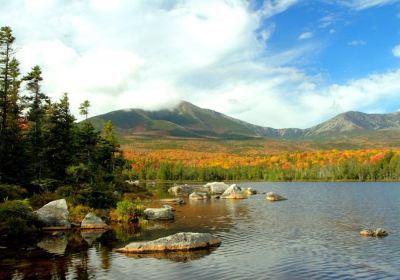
x=12, y=192
x=18, y=220
x=40, y=199
x=126, y=210
x=77, y=213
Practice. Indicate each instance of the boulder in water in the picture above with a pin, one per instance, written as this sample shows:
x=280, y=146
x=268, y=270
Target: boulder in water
x=55, y=215
x=199, y=196
x=271, y=196
x=234, y=192
x=159, y=214
x=183, y=241
x=91, y=221
x=379, y=232
x=216, y=187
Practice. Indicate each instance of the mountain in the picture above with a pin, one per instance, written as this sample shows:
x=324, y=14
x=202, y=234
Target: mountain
x=188, y=120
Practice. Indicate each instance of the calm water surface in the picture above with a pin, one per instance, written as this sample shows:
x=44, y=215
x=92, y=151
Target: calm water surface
x=312, y=235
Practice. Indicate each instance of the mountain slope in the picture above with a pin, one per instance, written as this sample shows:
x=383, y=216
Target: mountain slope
x=188, y=120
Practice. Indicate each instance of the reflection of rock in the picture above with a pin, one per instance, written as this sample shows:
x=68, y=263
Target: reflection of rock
x=159, y=214
x=91, y=221
x=55, y=215
x=54, y=245
x=233, y=192
x=183, y=241
x=271, y=196
x=379, y=232
x=199, y=196
x=90, y=236
x=216, y=187
x=184, y=256
x=179, y=201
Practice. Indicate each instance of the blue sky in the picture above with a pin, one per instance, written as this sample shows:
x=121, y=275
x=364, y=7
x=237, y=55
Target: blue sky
x=278, y=63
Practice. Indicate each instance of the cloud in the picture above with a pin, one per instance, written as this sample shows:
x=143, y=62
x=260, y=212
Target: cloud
x=396, y=51
x=305, y=35
x=357, y=43
x=273, y=7
x=365, y=4
x=152, y=54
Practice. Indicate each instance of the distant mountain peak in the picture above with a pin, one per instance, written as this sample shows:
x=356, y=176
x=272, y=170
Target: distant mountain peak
x=189, y=120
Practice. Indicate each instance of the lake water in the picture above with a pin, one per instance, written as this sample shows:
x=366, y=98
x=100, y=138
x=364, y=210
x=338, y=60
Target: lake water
x=312, y=235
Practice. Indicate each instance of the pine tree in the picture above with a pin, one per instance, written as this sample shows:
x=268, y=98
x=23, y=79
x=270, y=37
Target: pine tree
x=38, y=104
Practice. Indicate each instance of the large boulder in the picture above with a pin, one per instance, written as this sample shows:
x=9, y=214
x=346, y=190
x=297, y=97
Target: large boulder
x=183, y=241
x=91, y=221
x=159, y=214
x=199, y=196
x=183, y=190
x=55, y=215
x=379, y=232
x=271, y=196
x=234, y=192
x=216, y=187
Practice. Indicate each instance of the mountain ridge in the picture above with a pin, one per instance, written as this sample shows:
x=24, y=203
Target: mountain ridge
x=189, y=120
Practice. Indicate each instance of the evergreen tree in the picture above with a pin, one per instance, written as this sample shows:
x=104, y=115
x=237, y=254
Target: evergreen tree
x=59, y=138
x=38, y=104
x=11, y=141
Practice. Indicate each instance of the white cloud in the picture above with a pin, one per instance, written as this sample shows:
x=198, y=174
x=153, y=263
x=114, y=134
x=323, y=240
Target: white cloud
x=357, y=43
x=151, y=54
x=365, y=4
x=396, y=51
x=305, y=35
x=273, y=7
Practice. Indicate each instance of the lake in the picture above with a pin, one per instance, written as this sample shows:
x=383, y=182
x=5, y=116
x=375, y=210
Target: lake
x=312, y=235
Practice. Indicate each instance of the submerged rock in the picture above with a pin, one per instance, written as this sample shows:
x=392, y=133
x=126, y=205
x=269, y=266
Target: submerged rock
x=91, y=221
x=216, y=187
x=234, y=192
x=55, y=215
x=271, y=196
x=379, y=232
x=199, y=196
x=159, y=214
x=183, y=241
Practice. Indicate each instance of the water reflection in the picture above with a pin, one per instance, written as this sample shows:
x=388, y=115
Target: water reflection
x=174, y=256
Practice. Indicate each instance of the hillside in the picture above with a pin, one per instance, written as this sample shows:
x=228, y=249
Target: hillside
x=190, y=121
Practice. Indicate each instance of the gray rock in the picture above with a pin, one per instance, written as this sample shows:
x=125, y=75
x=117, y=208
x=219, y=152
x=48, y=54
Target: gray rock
x=199, y=196
x=159, y=214
x=250, y=191
x=183, y=241
x=271, y=196
x=133, y=183
x=216, y=187
x=91, y=221
x=234, y=192
x=55, y=215
x=168, y=207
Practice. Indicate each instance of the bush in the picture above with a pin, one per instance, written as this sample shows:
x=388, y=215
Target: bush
x=77, y=213
x=96, y=199
x=18, y=220
x=126, y=210
x=40, y=199
x=12, y=192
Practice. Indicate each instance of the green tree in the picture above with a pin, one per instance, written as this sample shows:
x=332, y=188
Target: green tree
x=84, y=109
x=38, y=104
